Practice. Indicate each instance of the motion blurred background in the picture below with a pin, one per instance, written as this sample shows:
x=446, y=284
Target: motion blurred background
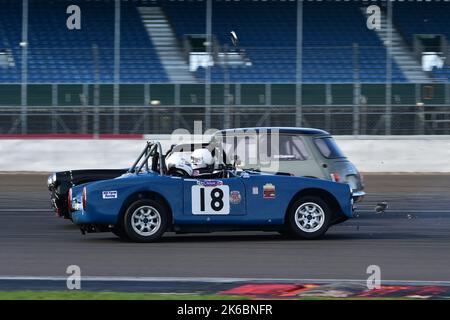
x=146, y=67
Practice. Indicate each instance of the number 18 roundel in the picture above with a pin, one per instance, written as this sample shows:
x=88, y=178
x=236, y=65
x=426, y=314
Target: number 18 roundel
x=210, y=200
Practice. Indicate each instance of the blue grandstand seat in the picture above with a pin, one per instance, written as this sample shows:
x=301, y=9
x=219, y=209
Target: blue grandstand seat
x=267, y=31
x=57, y=54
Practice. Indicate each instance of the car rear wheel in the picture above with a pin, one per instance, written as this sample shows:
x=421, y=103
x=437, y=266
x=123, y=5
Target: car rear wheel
x=309, y=217
x=145, y=220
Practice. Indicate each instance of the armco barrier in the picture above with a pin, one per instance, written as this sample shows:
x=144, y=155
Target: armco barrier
x=369, y=153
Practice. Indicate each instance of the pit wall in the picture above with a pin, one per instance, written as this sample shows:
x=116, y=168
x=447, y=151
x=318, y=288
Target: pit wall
x=394, y=154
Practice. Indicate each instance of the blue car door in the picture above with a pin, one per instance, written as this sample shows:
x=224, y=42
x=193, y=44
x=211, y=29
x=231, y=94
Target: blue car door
x=268, y=197
x=220, y=198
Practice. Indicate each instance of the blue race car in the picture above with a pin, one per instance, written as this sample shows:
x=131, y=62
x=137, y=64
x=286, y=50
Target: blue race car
x=149, y=200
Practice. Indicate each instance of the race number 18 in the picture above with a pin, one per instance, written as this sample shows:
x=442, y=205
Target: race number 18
x=210, y=200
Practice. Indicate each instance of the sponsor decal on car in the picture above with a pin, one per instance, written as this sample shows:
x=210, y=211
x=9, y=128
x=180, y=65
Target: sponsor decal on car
x=255, y=190
x=209, y=183
x=235, y=197
x=109, y=194
x=269, y=191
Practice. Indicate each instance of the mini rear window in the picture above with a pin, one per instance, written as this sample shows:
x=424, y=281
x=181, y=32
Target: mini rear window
x=328, y=148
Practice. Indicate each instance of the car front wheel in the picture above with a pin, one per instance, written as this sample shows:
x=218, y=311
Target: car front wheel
x=309, y=217
x=145, y=220
x=120, y=232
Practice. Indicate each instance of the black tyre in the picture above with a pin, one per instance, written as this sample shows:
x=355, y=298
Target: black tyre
x=145, y=220
x=309, y=217
x=286, y=233
x=120, y=232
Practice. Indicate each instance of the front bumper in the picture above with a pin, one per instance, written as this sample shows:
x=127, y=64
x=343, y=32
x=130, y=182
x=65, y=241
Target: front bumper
x=358, y=196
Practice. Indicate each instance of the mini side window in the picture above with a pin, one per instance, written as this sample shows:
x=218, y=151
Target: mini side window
x=292, y=148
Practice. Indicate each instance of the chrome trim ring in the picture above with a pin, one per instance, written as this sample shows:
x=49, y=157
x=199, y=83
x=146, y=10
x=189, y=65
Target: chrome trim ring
x=146, y=221
x=309, y=217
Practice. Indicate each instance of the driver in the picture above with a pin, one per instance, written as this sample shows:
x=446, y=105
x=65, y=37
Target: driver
x=202, y=162
x=178, y=166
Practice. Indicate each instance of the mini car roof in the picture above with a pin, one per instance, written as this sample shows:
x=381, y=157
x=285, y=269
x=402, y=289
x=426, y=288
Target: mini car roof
x=286, y=130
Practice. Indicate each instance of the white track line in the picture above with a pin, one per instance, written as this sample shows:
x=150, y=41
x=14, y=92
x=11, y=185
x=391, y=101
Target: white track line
x=216, y=280
x=405, y=211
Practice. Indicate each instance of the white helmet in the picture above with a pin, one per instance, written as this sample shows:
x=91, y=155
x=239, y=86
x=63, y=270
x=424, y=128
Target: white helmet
x=175, y=158
x=182, y=169
x=201, y=158
x=177, y=165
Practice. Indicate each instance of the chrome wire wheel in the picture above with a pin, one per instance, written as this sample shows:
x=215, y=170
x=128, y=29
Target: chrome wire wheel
x=146, y=221
x=309, y=217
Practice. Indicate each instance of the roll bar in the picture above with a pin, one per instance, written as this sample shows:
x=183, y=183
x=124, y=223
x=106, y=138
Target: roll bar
x=149, y=150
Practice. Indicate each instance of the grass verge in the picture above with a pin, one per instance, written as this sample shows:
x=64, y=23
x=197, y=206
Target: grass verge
x=93, y=295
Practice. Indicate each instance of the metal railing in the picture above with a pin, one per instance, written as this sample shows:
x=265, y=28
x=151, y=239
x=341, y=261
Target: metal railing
x=338, y=119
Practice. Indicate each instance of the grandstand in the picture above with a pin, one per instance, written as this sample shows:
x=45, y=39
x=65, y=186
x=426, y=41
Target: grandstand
x=59, y=55
x=303, y=57
x=267, y=31
x=425, y=18
x=268, y=34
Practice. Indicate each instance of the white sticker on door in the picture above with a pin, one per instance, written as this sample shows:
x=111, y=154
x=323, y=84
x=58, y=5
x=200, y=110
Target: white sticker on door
x=210, y=200
x=109, y=194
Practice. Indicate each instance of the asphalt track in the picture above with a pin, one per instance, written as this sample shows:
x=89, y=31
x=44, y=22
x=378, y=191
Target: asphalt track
x=410, y=242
